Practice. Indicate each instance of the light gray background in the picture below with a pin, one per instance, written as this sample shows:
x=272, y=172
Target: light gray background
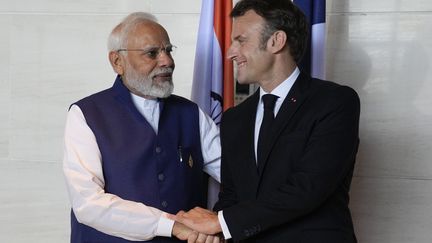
x=53, y=52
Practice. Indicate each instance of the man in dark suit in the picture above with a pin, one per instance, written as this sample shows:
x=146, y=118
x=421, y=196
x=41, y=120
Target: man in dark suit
x=286, y=166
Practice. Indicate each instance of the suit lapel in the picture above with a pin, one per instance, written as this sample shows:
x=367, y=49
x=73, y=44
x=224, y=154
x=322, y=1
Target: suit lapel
x=293, y=101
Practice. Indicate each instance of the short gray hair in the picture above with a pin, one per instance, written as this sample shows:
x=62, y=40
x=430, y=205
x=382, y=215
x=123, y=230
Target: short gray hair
x=118, y=37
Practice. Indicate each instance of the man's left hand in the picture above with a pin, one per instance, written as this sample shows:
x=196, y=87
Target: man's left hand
x=201, y=220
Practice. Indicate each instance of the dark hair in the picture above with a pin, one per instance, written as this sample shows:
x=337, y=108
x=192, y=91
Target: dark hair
x=279, y=15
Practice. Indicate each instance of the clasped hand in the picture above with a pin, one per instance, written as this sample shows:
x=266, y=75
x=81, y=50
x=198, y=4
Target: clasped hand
x=197, y=225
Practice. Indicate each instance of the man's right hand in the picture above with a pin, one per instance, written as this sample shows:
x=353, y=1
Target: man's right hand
x=182, y=232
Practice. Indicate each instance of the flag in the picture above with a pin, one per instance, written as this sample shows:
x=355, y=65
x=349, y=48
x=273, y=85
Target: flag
x=213, y=80
x=314, y=59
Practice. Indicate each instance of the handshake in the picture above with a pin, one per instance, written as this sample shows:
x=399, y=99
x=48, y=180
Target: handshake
x=197, y=225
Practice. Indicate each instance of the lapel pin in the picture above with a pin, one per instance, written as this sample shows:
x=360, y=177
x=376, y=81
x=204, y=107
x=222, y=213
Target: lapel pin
x=293, y=100
x=190, y=162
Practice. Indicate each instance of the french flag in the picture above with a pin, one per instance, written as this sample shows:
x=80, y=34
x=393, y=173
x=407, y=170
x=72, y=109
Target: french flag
x=213, y=80
x=313, y=61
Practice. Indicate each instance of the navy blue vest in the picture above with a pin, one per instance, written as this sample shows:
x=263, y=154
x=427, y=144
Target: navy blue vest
x=140, y=165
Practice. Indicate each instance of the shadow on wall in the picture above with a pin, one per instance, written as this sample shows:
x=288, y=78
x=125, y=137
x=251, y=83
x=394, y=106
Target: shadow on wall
x=388, y=196
x=395, y=129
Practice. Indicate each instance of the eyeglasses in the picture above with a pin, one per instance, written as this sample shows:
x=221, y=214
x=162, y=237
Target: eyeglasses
x=154, y=52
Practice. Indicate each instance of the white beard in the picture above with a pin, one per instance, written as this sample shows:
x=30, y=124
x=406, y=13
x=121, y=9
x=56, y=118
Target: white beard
x=144, y=85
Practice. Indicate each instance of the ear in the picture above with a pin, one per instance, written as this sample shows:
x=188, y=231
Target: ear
x=117, y=61
x=277, y=41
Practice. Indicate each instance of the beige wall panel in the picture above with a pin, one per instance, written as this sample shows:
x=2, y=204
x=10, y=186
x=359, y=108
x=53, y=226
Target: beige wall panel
x=387, y=59
x=5, y=92
x=54, y=61
x=169, y=6
x=33, y=203
x=98, y=7
x=76, y=6
x=354, y=6
x=392, y=210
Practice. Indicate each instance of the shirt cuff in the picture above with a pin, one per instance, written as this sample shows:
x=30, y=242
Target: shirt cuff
x=165, y=226
x=224, y=226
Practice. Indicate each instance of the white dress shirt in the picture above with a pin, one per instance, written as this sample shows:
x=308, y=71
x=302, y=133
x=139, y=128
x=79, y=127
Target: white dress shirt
x=281, y=91
x=109, y=213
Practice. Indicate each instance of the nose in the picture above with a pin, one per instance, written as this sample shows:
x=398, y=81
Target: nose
x=232, y=52
x=165, y=59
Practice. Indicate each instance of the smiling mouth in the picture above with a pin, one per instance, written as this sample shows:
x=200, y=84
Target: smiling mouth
x=241, y=64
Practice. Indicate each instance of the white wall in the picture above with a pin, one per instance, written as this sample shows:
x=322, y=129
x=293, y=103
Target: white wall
x=53, y=52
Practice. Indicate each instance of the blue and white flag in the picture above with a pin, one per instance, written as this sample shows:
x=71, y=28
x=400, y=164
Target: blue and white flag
x=213, y=80
x=314, y=59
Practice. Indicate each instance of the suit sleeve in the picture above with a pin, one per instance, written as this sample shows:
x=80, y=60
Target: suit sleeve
x=323, y=167
x=227, y=195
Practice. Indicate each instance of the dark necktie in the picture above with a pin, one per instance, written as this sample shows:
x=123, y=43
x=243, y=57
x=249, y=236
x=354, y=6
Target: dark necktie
x=269, y=101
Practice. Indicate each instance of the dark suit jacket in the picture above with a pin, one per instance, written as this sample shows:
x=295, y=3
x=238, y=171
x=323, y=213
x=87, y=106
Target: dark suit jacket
x=300, y=192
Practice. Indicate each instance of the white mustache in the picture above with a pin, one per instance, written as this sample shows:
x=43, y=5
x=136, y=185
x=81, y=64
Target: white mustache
x=162, y=71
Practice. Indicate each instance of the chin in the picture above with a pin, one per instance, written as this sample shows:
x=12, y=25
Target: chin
x=244, y=81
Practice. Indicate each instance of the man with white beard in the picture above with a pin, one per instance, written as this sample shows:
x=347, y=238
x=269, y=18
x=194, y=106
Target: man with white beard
x=134, y=153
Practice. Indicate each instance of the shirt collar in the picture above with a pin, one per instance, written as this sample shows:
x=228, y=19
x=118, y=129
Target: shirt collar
x=283, y=88
x=143, y=102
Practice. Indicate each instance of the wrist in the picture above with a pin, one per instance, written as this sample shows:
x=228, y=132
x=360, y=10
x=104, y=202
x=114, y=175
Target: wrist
x=164, y=227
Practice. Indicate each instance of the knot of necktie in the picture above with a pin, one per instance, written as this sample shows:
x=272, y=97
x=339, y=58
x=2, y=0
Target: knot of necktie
x=269, y=101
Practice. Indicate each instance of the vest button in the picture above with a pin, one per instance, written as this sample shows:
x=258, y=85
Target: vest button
x=164, y=204
x=158, y=149
x=161, y=177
